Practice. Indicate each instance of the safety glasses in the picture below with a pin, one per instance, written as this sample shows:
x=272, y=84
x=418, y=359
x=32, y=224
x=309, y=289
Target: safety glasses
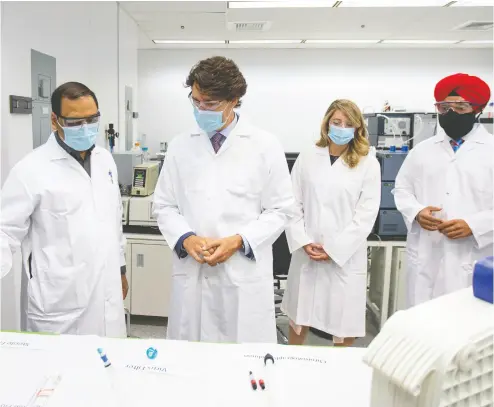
x=205, y=105
x=79, y=121
x=458, y=107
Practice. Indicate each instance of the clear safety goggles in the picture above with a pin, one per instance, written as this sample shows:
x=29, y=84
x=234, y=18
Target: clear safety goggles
x=337, y=123
x=458, y=107
x=79, y=121
x=205, y=105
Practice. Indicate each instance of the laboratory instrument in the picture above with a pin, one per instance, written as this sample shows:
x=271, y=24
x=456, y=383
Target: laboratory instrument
x=110, y=134
x=162, y=153
x=141, y=211
x=125, y=210
x=436, y=354
x=125, y=166
x=396, y=129
x=390, y=222
x=145, y=178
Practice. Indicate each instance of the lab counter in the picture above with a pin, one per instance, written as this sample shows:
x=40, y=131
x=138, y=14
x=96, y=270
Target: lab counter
x=177, y=373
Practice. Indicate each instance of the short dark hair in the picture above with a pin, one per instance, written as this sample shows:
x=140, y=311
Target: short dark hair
x=72, y=91
x=219, y=78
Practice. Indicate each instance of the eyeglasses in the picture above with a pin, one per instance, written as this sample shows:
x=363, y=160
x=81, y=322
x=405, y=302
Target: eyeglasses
x=458, y=107
x=338, y=123
x=205, y=105
x=79, y=121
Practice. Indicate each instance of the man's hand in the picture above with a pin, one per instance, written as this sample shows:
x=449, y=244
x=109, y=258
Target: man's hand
x=125, y=286
x=195, y=246
x=455, y=229
x=427, y=220
x=223, y=249
x=316, y=252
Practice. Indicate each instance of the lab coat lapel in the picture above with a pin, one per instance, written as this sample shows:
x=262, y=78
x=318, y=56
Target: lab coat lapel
x=242, y=130
x=475, y=139
x=58, y=153
x=443, y=141
x=202, y=140
x=325, y=160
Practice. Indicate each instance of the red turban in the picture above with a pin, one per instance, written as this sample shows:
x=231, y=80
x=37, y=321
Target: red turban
x=470, y=88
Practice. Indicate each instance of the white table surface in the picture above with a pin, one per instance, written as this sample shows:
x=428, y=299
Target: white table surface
x=183, y=373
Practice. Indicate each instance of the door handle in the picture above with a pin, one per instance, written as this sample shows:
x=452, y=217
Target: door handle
x=140, y=260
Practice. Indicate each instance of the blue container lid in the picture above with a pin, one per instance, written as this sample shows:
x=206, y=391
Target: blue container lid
x=483, y=279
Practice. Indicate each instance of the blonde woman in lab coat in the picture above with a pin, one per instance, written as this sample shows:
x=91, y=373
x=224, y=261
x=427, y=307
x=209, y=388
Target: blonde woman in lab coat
x=337, y=188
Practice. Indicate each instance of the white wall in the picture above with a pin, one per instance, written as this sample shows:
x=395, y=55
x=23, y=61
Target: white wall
x=128, y=42
x=82, y=36
x=289, y=90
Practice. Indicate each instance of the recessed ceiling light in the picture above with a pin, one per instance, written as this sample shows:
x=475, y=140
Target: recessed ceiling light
x=477, y=42
x=419, y=41
x=342, y=41
x=266, y=42
x=472, y=3
x=281, y=4
x=187, y=42
x=393, y=3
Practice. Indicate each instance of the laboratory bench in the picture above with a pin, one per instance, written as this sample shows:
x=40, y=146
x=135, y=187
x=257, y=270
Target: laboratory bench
x=155, y=372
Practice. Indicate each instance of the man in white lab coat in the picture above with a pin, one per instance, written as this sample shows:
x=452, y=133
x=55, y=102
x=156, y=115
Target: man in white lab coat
x=223, y=197
x=61, y=204
x=445, y=192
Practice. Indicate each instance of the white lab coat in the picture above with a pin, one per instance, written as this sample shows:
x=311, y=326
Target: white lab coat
x=72, y=226
x=461, y=184
x=244, y=189
x=337, y=207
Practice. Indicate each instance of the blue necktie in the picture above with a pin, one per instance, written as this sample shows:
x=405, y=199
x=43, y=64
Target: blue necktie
x=217, y=141
x=456, y=144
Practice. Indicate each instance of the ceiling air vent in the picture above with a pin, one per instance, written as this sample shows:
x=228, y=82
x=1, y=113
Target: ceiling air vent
x=249, y=27
x=476, y=26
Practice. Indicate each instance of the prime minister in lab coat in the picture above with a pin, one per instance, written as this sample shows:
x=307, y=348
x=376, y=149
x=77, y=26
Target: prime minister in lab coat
x=444, y=191
x=337, y=186
x=223, y=198
x=61, y=205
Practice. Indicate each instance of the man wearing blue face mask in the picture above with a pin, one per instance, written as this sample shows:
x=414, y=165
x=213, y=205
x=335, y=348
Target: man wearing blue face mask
x=223, y=198
x=61, y=206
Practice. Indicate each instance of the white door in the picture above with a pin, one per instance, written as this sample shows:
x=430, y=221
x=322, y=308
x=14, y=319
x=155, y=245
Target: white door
x=151, y=279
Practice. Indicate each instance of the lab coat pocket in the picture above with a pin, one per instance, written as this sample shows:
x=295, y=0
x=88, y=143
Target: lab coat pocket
x=63, y=289
x=60, y=203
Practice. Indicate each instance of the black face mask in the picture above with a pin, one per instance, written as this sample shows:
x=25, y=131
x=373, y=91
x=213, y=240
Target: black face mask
x=457, y=125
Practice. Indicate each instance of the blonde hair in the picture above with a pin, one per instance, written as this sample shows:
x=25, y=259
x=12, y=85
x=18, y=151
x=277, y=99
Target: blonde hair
x=359, y=146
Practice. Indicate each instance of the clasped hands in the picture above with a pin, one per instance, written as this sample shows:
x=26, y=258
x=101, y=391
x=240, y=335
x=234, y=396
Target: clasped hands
x=212, y=251
x=453, y=229
x=316, y=252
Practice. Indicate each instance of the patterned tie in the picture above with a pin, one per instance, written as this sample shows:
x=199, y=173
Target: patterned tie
x=217, y=141
x=456, y=144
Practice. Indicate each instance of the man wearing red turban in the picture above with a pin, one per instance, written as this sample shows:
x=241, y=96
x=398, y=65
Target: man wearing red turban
x=444, y=191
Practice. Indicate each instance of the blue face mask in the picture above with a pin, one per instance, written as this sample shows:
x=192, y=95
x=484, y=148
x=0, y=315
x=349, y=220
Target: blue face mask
x=209, y=121
x=81, y=138
x=341, y=135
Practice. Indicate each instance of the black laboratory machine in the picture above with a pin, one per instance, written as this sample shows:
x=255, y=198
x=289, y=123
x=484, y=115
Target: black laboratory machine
x=393, y=134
